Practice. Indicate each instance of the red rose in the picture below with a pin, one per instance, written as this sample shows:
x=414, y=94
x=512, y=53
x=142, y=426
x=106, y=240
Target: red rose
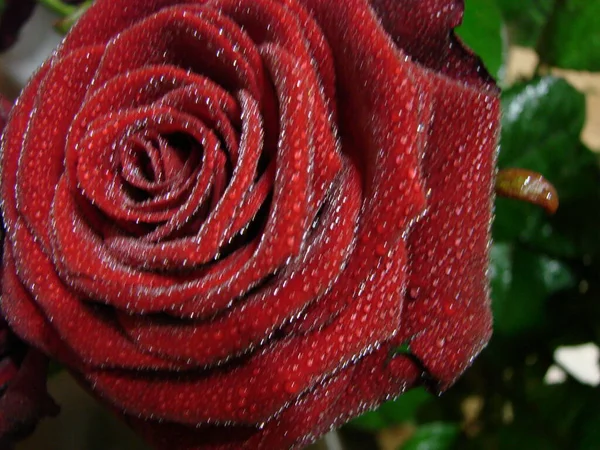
x=225, y=216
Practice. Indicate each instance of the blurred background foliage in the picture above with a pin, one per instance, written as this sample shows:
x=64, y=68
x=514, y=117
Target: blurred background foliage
x=545, y=269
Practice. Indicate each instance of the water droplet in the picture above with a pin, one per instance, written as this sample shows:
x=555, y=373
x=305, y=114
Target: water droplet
x=413, y=292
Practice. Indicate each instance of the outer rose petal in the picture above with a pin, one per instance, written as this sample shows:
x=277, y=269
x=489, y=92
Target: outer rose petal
x=239, y=209
x=24, y=399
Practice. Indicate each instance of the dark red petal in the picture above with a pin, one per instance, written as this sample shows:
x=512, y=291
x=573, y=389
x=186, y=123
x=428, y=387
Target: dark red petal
x=281, y=238
x=286, y=369
x=87, y=265
x=24, y=316
x=212, y=232
x=266, y=21
x=371, y=381
x=89, y=332
x=145, y=87
x=97, y=174
x=25, y=400
x=23, y=396
x=103, y=20
x=424, y=29
x=177, y=37
x=42, y=154
x=12, y=141
x=449, y=319
x=246, y=325
x=382, y=132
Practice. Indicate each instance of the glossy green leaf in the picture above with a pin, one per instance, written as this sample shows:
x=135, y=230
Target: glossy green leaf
x=59, y=7
x=561, y=406
x=542, y=123
x=590, y=432
x=521, y=283
x=433, y=436
x=572, y=36
x=561, y=416
x=482, y=31
x=394, y=412
x=520, y=435
x=572, y=231
x=525, y=19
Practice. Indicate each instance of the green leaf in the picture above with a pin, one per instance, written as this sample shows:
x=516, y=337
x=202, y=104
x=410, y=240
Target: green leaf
x=521, y=435
x=66, y=23
x=525, y=18
x=482, y=31
x=572, y=231
x=560, y=407
x=59, y=7
x=542, y=123
x=433, y=436
x=572, y=36
x=521, y=283
x=590, y=432
x=394, y=412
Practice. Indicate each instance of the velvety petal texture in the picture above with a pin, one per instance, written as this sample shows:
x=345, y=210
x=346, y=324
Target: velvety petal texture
x=226, y=216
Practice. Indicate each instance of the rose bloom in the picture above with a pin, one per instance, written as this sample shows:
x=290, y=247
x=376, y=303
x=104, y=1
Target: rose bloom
x=240, y=223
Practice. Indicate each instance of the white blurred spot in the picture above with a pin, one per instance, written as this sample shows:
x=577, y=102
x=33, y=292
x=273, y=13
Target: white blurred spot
x=333, y=441
x=555, y=375
x=582, y=362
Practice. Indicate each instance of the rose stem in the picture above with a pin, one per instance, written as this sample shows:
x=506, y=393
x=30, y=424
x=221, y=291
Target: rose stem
x=527, y=186
x=64, y=25
x=58, y=7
